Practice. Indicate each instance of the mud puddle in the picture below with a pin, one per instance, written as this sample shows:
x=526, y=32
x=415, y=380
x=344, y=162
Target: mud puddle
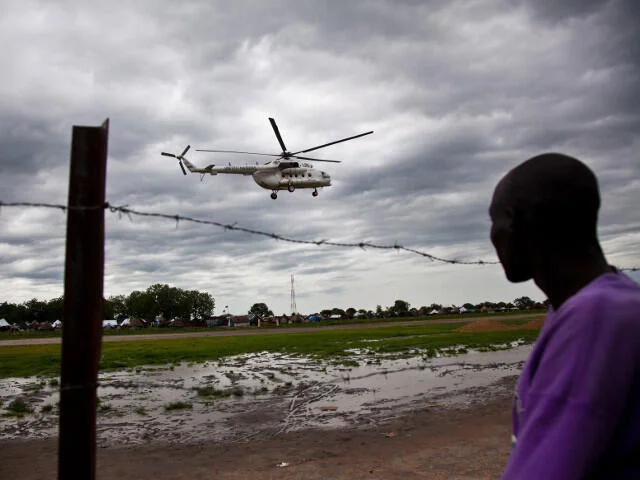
x=260, y=395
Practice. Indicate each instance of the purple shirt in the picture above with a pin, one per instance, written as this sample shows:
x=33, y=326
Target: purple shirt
x=577, y=405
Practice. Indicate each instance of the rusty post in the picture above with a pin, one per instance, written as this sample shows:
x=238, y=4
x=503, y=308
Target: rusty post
x=83, y=302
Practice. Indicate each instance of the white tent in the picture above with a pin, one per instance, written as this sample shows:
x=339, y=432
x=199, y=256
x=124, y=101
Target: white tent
x=434, y=312
x=4, y=323
x=57, y=324
x=109, y=324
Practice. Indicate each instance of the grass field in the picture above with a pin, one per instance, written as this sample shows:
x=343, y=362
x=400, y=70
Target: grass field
x=160, y=331
x=23, y=361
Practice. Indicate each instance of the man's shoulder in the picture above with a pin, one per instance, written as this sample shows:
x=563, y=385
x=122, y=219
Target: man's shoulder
x=609, y=290
x=611, y=302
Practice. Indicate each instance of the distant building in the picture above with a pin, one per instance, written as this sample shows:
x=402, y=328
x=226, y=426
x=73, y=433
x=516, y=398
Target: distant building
x=240, y=321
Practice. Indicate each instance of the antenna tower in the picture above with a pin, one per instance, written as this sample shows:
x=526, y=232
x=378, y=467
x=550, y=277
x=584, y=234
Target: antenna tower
x=294, y=309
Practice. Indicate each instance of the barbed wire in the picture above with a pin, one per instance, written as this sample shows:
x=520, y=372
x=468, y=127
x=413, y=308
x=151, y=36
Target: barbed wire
x=125, y=210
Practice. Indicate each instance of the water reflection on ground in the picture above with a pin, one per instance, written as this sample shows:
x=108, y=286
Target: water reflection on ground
x=263, y=394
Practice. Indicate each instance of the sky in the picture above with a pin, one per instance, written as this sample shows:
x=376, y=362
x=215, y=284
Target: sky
x=457, y=93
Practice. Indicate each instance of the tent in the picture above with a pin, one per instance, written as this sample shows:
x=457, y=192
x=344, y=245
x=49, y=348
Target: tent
x=109, y=324
x=57, y=324
x=133, y=322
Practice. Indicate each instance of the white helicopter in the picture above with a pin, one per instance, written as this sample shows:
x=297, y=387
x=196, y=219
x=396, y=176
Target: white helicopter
x=283, y=173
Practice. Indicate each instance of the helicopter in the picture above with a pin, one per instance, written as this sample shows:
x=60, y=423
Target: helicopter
x=284, y=172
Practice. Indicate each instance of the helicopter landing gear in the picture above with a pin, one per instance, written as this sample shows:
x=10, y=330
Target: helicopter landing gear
x=291, y=188
x=274, y=195
x=315, y=192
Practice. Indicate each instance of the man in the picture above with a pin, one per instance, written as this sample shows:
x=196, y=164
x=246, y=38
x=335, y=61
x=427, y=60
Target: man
x=576, y=410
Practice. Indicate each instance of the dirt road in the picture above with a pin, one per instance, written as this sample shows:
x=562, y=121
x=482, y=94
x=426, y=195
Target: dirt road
x=266, y=331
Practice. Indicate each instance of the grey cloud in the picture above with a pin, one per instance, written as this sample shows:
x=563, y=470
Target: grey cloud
x=457, y=93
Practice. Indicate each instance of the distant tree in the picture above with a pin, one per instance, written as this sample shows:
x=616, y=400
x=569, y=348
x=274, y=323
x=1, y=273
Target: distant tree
x=350, y=312
x=400, y=308
x=261, y=310
x=35, y=310
x=170, y=301
x=140, y=304
x=52, y=309
x=117, y=307
x=523, y=302
x=338, y=311
x=204, y=305
x=13, y=313
x=325, y=313
x=468, y=306
x=379, y=310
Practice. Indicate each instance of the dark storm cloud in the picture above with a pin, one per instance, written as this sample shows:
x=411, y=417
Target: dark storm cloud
x=457, y=93
x=551, y=11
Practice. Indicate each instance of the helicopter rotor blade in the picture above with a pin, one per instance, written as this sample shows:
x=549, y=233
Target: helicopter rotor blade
x=277, y=132
x=333, y=143
x=182, y=167
x=316, y=159
x=185, y=151
x=168, y=154
x=237, y=151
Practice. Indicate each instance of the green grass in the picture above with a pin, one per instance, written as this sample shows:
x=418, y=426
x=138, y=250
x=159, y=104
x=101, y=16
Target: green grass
x=178, y=406
x=212, y=392
x=18, y=408
x=355, y=321
x=24, y=361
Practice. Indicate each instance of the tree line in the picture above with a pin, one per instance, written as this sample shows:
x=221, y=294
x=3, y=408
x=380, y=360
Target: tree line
x=170, y=302
x=173, y=302
x=402, y=308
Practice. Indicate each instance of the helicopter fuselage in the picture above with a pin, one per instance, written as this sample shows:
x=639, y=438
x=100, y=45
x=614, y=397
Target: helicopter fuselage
x=297, y=177
x=284, y=175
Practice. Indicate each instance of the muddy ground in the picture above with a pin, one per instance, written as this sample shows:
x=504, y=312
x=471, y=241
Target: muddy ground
x=273, y=416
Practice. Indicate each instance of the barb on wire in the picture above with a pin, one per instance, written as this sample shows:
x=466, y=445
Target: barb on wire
x=125, y=210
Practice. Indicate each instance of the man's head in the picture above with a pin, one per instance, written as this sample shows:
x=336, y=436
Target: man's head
x=546, y=207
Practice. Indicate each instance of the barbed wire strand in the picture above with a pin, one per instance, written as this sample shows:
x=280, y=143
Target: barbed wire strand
x=129, y=212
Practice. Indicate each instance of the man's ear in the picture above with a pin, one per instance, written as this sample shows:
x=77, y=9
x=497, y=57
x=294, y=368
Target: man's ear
x=512, y=219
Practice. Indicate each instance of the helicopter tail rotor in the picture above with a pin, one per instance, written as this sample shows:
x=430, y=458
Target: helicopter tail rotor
x=180, y=158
